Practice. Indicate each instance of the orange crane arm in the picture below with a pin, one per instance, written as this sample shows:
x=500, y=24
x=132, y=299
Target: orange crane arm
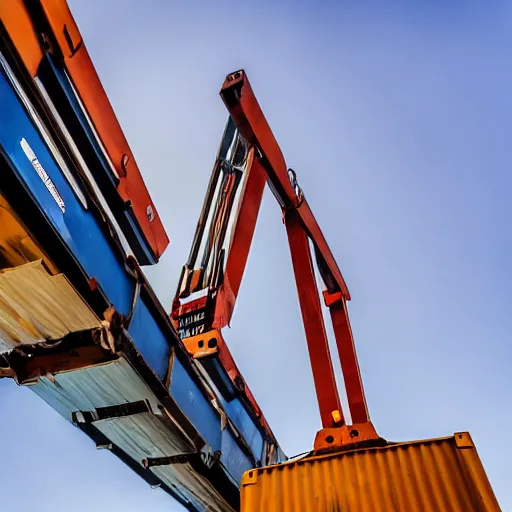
x=249, y=119
x=250, y=151
x=301, y=227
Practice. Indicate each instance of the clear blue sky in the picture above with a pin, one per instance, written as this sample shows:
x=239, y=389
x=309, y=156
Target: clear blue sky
x=397, y=121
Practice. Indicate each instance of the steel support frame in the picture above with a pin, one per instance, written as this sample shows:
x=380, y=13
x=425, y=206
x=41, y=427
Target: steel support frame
x=302, y=228
x=243, y=233
x=316, y=336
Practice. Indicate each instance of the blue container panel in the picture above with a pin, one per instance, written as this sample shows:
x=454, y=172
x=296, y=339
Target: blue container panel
x=47, y=69
x=76, y=225
x=240, y=417
x=246, y=427
x=81, y=232
x=195, y=406
x=149, y=339
x=233, y=458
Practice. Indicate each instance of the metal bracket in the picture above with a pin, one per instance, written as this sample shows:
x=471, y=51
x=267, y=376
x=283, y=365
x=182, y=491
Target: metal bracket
x=205, y=455
x=346, y=436
x=113, y=411
x=182, y=458
x=463, y=440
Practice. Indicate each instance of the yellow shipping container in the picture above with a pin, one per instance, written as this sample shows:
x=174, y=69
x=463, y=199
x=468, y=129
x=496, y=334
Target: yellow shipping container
x=443, y=474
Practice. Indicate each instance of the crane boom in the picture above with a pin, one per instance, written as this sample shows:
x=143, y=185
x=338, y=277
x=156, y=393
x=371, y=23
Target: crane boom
x=249, y=156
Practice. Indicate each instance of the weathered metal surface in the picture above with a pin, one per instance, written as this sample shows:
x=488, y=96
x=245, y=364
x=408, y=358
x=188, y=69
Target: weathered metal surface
x=94, y=252
x=76, y=225
x=36, y=307
x=147, y=436
x=26, y=22
x=16, y=244
x=210, y=501
x=87, y=389
x=143, y=435
x=435, y=475
x=39, y=180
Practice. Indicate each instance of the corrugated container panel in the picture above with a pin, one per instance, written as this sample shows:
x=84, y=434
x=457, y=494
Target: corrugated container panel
x=443, y=474
x=141, y=436
x=147, y=436
x=36, y=307
x=90, y=388
x=195, y=491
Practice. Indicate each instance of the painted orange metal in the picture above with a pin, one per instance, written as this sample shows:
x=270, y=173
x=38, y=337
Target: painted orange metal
x=345, y=436
x=243, y=107
x=302, y=227
x=16, y=21
x=240, y=245
x=315, y=233
x=267, y=164
x=131, y=186
x=443, y=474
x=250, y=121
x=318, y=346
x=197, y=347
x=348, y=358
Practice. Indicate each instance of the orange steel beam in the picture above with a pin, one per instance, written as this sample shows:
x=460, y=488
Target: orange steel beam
x=318, y=346
x=243, y=106
x=83, y=74
x=348, y=358
x=266, y=164
x=18, y=23
x=300, y=222
x=240, y=245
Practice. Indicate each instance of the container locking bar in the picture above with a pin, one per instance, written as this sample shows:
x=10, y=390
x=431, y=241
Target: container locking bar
x=205, y=456
x=112, y=411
